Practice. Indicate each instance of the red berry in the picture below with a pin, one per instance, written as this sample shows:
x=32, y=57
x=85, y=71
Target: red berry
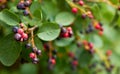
x=74, y=10
x=75, y=62
x=109, y=53
x=100, y=33
x=97, y=26
x=20, y=31
x=66, y=35
x=52, y=61
x=90, y=45
x=32, y=55
x=70, y=54
x=85, y=42
x=81, y=3
x=24, y=36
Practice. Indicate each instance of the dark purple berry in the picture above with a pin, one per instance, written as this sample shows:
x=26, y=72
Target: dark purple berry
x=17, y=36
x=15, y=29
x=35, y=60
x=28, y=45
x=63, y=30
x=38, y=52
x=27, y=3
x=26, y=12
x=34, y=49
x=83, y=16
x=21, y=6
x=54, y=51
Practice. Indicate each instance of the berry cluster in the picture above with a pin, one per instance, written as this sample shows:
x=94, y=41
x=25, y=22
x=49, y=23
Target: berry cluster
x=66, y=32
x=52, y=56
x=74, y=62
x=20, y=34
x=98, y=26
x=34, y=53
x=87, y=46
x=23, y=5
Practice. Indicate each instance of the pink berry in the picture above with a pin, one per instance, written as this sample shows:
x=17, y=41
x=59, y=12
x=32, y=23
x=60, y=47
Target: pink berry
x=69, y=29
x=81, y=3
x=90, y=45
x=66, y=35
x=53, y=61
x=74, y=10
x=32, y=55
x=24, y=36
x=20, y=31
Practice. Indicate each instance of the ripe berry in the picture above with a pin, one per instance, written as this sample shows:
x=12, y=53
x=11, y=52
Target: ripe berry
x=26, y=12
x=52, y=61
x=71, y=55
x=27, y=3
x=15, y=29
x=83, y=16
x=90, y=45
x=75, y=63
x=20, y=31
x=54, y=51
x=35, y=60
x=28, y=45
x=63, y=30
x=32, y=55
x=109, y=53
x=69, y=29
x=100, y=33
x=65, y=35
x=17, y=36
x=38, y=52
x=24, y=36
x=97, y=26
x=81, y=3
x=21, y=6
x=74, y=10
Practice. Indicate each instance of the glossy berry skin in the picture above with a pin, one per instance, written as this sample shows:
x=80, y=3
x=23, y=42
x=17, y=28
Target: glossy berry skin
x=35, y=60
x=24, y=36
x=21, y=6
x=26, y=12
x=20, y=31
x=97, y=26
x=15, y=29
x=27, y=3
x=81, y=3
x=32, y=55
x=28, y=45
x=38, y=52
x=90, y=45
x=74, y=10
x=17, y=36
x=52, y=61
x=83, y=16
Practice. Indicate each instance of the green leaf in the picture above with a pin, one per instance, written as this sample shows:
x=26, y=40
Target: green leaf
x=49, y=31
x=64, y=42
x=9, y=18
x=28, y=69
x=64, y=18
x=38, y=14
x=9, y=50
x=34, y=6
